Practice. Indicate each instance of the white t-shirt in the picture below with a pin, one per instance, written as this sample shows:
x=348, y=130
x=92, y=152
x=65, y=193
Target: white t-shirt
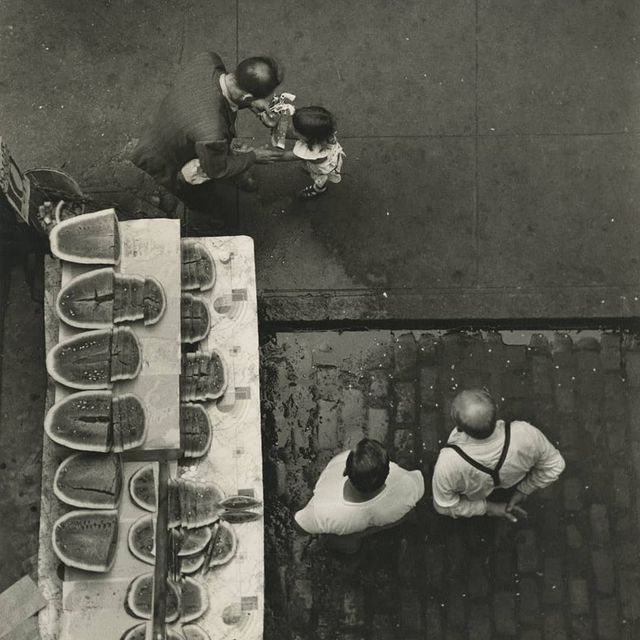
x=329, y=512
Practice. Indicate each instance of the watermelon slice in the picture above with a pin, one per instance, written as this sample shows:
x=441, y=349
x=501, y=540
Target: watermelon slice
x=223, y=545
x=92, y=238
x=195, y=430
x=198, y=268
x=142, y=488
x=142, y=538
x=86, y=539
x=195, y=632
x=194, y=598
x=203, y=376
x=139, y=599
x=89, y=480
x=195, y=319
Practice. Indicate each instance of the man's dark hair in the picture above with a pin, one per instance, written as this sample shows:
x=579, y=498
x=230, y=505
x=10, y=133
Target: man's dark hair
x=315, y=124
x=474, y=412
x=367, y=466
x=258, y=76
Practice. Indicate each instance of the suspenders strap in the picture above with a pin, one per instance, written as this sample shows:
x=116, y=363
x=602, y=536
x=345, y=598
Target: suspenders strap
x=494, y=473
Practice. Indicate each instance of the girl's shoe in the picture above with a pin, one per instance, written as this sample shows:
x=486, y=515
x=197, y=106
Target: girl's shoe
x=308, y=193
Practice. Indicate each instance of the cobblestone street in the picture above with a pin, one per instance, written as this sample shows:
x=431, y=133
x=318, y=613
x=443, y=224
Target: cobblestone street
x=571, y=570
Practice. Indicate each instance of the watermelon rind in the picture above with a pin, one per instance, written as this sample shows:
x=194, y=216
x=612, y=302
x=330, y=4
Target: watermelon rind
x=240, y=502
x=239, y=516
x=90, y=459
x=97, y=567
x=86, y=226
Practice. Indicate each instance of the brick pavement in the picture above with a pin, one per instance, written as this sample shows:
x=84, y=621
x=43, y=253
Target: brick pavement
x=571, y=570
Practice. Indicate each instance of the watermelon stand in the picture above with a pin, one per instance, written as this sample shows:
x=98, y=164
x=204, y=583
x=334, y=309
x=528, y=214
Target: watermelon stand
x=83, y=605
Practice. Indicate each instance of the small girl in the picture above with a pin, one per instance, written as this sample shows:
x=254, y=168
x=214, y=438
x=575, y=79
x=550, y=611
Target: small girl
x=315, y=130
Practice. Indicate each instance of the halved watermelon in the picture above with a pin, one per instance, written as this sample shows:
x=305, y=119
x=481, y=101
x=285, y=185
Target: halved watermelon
x=92, y=238
x=89, y=480
x=95, y=359
x=198, y=268
x=101, y=297
x=140, y=598
x=195, y=320
x=97, y=421
x=195, y=430
x=86, y=539
x=195, y=599
x=142, y=538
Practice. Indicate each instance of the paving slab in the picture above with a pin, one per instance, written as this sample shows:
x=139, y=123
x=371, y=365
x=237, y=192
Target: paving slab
x=558, y=67
x=384, y=69
x=402, y=217
x=558, y=211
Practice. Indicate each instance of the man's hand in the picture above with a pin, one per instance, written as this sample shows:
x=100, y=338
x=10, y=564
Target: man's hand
x=499, y=509
x=268, y=155
x=516, y=499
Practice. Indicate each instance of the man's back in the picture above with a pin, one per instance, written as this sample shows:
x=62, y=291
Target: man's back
x=193, y=111
x=531, y=462
x=329, y=512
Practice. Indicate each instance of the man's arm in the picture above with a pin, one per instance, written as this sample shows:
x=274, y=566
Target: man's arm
x=218, y=162
x=548, y=466
x=448, y=501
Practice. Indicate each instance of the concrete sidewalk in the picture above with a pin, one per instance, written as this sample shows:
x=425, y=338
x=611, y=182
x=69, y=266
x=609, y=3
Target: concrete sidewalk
x=492, y=146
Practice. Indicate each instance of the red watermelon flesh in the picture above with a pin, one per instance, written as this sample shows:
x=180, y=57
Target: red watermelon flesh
x=86, y=301
x=86, y=539
x=225, y=543
x=194, y=541
x=89, y=480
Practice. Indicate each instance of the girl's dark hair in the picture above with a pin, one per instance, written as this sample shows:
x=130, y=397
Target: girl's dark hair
x=315, y=124
x=367, y=466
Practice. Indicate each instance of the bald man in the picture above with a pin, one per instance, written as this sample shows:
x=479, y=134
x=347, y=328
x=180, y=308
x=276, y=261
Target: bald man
x=488, y=467
x=196, y=120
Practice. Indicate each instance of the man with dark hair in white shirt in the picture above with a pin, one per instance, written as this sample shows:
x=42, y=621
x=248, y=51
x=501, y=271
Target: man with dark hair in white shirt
x=358, y=493
x=484, y=454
